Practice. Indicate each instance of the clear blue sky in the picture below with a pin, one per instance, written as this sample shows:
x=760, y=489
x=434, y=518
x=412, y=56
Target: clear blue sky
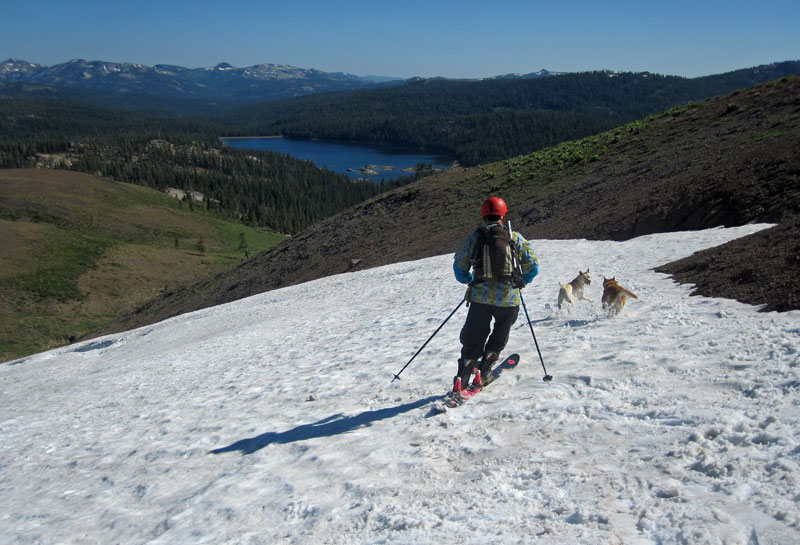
x=457, y=39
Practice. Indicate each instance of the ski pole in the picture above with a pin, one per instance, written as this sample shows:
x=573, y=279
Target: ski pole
x=397, y=376
x=516, y=266
x=547, y=378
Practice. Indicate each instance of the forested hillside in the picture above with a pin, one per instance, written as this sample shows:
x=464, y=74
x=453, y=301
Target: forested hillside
x=157, y=151
x=476, y=121
x=489, y=120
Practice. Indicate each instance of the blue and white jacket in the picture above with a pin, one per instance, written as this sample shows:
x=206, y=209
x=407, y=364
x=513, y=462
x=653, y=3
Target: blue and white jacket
x=498, y=294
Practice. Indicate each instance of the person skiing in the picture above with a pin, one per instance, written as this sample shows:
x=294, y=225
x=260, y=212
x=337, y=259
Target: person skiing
x=486, y=262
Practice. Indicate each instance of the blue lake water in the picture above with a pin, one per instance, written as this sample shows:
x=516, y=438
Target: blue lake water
x=373, y=162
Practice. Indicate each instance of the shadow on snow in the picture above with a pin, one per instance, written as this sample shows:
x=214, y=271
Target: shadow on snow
x=327, y=427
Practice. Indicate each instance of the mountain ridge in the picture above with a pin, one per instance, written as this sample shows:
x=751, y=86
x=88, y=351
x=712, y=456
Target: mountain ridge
x=263, y=81
x=230, y=84
x=17, y=70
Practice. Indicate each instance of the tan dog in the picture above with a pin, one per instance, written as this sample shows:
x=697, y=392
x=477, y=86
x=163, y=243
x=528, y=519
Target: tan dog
x=574, y=288
x=614, y=295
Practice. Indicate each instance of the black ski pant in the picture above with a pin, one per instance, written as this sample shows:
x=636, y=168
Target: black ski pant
x=477, y=328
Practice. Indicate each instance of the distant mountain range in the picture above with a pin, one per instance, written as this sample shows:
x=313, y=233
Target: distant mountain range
x=222, y=82
x=202, y=91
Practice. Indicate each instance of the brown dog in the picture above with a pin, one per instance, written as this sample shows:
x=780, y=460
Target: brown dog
x=614, y=295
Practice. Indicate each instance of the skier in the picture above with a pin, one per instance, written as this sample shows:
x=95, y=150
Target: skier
x=485, y=263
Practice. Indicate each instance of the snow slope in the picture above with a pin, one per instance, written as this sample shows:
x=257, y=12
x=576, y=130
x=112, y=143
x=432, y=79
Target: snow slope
x=274, y=419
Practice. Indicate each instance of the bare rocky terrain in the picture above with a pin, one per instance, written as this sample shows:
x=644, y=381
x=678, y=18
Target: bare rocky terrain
x=726, y=161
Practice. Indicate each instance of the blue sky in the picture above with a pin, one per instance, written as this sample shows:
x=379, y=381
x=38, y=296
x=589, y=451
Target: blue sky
x=458, y=39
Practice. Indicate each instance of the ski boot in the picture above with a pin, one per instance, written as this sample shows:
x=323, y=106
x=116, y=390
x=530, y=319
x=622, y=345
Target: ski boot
x=465, y=369
x=487, y=362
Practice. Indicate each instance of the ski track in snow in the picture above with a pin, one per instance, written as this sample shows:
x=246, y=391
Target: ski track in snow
x=274, y=419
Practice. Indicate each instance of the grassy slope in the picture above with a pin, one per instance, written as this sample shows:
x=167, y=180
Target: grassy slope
x=77, y=251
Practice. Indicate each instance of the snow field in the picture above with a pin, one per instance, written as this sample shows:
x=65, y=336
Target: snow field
x=274, y=419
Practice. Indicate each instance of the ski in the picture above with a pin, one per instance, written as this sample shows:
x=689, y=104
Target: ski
x=452, y=399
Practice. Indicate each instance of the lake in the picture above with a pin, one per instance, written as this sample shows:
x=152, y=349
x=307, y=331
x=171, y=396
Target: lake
x=371, y=161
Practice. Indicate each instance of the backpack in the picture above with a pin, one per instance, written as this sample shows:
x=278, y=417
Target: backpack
x=492, y=260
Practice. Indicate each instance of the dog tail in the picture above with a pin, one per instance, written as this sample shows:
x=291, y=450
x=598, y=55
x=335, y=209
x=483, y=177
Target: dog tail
x=629, y=292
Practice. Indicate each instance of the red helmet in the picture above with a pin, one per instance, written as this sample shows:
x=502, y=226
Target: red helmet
x=494, y=206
